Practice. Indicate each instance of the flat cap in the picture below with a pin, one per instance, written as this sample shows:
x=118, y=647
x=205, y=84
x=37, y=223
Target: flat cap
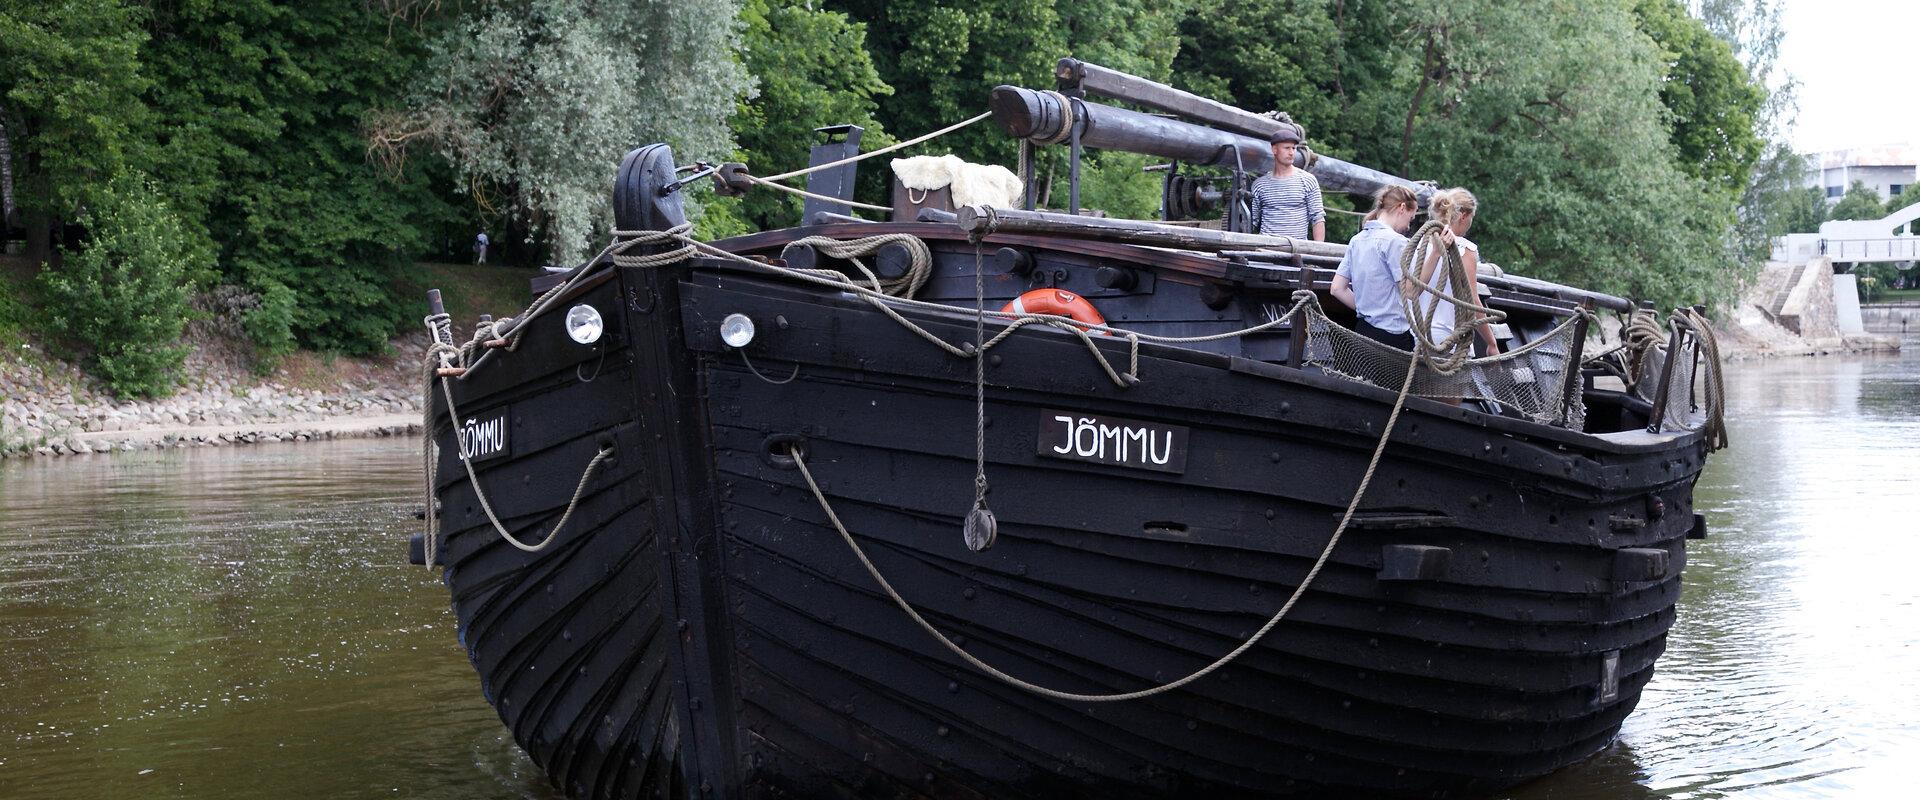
x=1287, y=133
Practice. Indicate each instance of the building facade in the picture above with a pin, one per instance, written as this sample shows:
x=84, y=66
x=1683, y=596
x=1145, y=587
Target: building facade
x=1890, y=170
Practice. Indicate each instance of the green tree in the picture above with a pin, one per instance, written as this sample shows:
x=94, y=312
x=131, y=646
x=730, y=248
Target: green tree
x=70, y=77
x=1752, y=29
x=1711, y=100
x=943, y=58
x=534, y=102
x=1549, y=110
x=812, y=70
x=1264, y=57
x=1909, y=195
x=122, y=298
x=259, y=108
x=1798, y=211
x=1861, y=202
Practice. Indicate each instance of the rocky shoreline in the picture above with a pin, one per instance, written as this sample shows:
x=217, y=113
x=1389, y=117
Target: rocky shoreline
x=49, y=408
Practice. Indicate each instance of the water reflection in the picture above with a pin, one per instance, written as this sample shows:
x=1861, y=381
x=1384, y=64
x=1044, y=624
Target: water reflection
x=240, y=623
x=1790, y=671
x=233, y=624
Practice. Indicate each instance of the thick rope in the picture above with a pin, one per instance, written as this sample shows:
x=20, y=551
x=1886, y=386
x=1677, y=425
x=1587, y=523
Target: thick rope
x=919, y=264
x=1716, y=425
x=1066, y=118
x=863, y=156
x=1326, y=553
x=593, y=465
x=804, y=193
x=1448, y=355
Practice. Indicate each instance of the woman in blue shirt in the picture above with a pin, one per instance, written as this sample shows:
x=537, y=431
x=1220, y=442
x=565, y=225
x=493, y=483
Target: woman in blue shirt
x=1368, y=280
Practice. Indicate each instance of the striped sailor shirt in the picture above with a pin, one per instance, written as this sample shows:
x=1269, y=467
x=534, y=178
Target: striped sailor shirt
x=1287, y=206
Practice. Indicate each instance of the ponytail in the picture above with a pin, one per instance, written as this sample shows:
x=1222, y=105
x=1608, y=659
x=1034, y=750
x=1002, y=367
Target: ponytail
x=1451, y=204
x=1390, y=198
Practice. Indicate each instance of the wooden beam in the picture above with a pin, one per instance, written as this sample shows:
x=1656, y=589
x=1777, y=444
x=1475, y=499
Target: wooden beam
x=979, y=219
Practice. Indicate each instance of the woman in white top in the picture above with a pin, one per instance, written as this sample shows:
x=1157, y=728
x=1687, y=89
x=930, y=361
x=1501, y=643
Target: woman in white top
x=1453, y=208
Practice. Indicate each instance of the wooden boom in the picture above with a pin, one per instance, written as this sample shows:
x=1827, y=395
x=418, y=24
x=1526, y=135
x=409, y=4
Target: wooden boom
x=1043, y=117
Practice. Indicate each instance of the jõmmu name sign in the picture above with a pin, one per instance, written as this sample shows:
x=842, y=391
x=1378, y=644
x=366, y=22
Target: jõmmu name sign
x=484, y=437
x=1113, y=441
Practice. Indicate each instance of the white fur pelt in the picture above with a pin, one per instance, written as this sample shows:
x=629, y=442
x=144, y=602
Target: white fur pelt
x=972, y=184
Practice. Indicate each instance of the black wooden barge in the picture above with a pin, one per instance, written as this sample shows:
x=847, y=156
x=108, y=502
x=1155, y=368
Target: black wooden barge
x=697, y=628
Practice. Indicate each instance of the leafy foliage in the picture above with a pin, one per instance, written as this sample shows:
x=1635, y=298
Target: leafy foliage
x=1861, y=202
x=1576, y=177
x=534, y=102
x=1712, y=100
x=124, y=295
x=264, y=105
x=67, y=69
x=813, y=71
x=1899, y=202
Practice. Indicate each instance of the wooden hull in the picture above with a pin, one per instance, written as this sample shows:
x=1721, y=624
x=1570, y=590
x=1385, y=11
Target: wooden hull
x=699, y=630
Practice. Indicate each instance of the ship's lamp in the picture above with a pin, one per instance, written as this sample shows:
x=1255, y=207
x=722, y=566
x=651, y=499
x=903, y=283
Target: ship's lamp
x=736, y=330
x=584, y=324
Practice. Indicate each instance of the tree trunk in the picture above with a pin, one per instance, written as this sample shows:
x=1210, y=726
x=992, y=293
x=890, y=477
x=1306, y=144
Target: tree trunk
x=39, y=236
x=8, y=216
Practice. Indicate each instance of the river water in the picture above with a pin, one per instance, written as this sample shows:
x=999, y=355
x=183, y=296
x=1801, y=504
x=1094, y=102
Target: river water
x=241, y=623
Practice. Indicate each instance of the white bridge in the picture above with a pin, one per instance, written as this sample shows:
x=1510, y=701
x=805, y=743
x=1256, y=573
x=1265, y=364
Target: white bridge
x=1849, y=242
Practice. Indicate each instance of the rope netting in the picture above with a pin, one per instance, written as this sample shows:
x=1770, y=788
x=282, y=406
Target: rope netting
x=1528, y=381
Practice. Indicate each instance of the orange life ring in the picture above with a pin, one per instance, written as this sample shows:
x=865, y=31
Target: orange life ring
x=1058, y=302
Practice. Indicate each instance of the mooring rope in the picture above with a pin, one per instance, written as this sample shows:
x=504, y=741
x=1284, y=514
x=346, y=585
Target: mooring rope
x=593, y=465
x=884, y=150
x=1326, y=553
x=769, y=183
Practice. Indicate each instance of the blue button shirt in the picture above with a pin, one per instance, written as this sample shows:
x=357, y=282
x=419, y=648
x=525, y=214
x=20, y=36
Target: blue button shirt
x=1372, y=266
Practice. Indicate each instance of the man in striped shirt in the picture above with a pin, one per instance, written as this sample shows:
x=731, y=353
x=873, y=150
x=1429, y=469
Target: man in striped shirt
x=1287, y=202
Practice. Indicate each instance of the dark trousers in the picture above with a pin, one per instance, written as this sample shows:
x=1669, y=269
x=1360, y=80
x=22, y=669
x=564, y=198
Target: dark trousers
x=1402, y=340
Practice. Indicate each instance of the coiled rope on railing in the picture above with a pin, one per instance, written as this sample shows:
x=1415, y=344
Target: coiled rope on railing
x=1448, y=355
x=1715, y=429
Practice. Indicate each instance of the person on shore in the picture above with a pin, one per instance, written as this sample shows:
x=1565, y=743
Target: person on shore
x=1368, y=280
x=480, y=248
x=1454, y=209
x=1287, y=201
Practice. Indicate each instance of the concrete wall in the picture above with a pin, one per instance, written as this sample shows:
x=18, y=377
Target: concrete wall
x=1846, y=304
x=1808, y=307
x=1876, y=177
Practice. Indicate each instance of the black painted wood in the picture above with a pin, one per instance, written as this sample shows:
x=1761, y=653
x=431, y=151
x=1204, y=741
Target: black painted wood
x=699, y=630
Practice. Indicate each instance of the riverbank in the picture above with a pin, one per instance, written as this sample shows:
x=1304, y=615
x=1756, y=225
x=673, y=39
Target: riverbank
x=52, y=409
x=49, y=407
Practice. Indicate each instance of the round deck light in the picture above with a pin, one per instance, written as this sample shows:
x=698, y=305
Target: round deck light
x=584, y=324
x=736, y=330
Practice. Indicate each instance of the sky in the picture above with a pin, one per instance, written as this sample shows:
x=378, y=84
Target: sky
x=1858, y=63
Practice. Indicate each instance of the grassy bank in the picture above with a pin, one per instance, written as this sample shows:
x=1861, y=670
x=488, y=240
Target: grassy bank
x=469, y=290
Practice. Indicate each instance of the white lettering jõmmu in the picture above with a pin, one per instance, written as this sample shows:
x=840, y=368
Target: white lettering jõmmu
x=1159, y=456
x=484, y=438
x=1081, y=446
x=1068, y=447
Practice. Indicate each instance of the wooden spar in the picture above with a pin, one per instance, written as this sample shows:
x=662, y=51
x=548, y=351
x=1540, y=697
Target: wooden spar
x=1273, y=257
x=1098, y=80
x=1563, y=292
x=979, y=220
x=1040, y=117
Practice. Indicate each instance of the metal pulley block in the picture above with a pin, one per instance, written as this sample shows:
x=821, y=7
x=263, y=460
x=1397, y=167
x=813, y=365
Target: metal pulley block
x=980, y=529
